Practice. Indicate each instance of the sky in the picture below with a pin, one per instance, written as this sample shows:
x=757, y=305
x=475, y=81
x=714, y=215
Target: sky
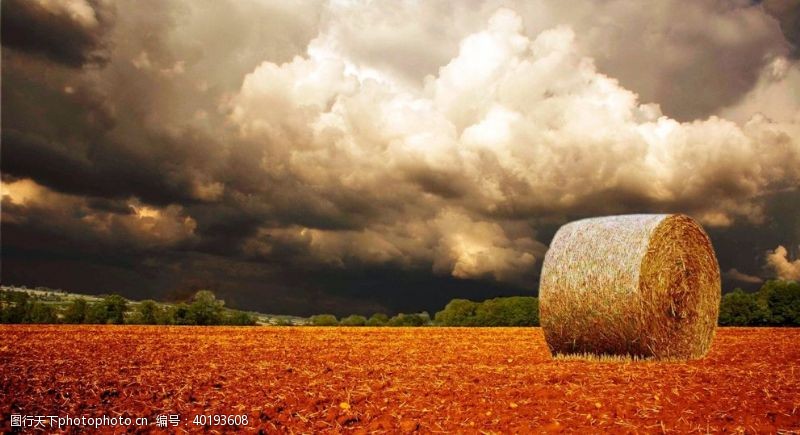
x=357, y=157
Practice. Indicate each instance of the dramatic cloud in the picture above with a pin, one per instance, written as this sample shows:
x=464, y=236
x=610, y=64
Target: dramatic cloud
x=337, y=155
x=133, y=225
x=511, y=128
x=778, y=260
x=67, y=31
x=691, y=58
x=787, y=12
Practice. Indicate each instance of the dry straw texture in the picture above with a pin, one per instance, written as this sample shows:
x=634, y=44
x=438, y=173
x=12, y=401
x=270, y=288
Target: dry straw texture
x=646, y=286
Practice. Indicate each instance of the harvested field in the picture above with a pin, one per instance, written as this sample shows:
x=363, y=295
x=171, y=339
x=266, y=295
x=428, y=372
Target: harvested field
x=393, y=380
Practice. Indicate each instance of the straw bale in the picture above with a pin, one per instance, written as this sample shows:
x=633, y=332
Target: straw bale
x=646, y=286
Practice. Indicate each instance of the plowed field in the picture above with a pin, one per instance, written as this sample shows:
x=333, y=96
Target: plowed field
x=391, y=380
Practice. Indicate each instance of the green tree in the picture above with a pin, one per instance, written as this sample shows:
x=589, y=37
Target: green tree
x=323, y=320
x=353, y=320
x=16, y=306
x=739, y=308
x=96, y=313
x=402, y=319
x=206, y=309
x=782, y=299
x=180, y=314
x=76, y=311
x=111, y=309
x=378, y=319
x=458, y=312
x=116, y=306
x=425, y=317
x=509, y=311
x=40, y=312
x=148, y=312
x=239, y=318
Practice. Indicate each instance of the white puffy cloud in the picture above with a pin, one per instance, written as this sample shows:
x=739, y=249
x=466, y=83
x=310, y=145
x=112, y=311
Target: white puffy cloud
x=778, y=260
x=510, y=128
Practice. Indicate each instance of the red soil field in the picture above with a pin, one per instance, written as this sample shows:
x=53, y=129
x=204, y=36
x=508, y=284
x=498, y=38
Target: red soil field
x=390, y=380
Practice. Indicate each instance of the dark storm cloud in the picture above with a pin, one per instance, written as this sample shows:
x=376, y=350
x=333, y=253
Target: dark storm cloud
x=102, y=170
x=691, y=58
x=112, y=206
x=787, y=12
x=68, y=32
x=441, y=183
x=311, y=157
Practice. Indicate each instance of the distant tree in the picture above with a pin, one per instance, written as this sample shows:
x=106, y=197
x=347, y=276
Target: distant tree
x=504, y=311
x=148, y=312
x=76, y=311
x=323, y=320
x=96, y=313
x=16, y=306
x=509, y=311
x=39, y=312
x=21, y=307
x=782, y=300
x=739, y=308
x=458, y=312
x=111, y=309
x=425, y=317
x=116, y=306
x=206, y=309
x=378, y=319
x=180, y=314
x=402, y=319
x=353, y=320
x=239, y=318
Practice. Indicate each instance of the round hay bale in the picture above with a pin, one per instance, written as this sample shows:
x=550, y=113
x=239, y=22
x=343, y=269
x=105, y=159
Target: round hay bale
x=639, y=285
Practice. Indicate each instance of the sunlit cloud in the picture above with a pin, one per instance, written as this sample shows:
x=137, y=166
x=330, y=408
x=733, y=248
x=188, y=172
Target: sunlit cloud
x=783, y=267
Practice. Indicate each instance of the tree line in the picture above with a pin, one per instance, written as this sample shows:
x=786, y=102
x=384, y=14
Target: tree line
x=203, y=309
x=377, y=319
x=510, y=311
x=776, y=303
